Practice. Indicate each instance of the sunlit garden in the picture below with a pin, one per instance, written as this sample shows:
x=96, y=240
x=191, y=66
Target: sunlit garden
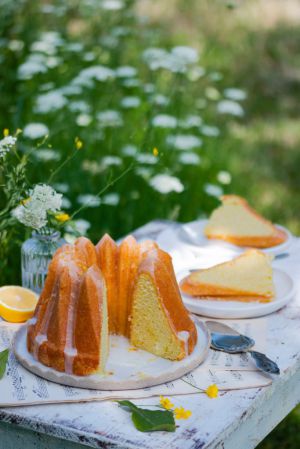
x=123, y=112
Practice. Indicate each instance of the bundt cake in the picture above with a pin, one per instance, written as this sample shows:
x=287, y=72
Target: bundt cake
x=91, y=292
x=236, y=222
x=248, y=277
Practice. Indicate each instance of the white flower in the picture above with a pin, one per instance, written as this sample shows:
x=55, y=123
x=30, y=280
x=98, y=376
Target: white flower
x=130, y=102
x=15, y=45
x=75, y=47
x=35, y=130
x=30, y=68
x=71, y=90
x=31, y=216
x=126, y=71
x=144, y=158
x=191, y=121
x=188, y=158
x=235, y=94
x=196, y=73
x=184, y=141
x=111, y=199
x=230, y=107
x=165, y=184
x=81, y=226
x=6, y=144
x=45, y=195
x=129, y=150
x=83, y=119
x=86, y=76
x=210, y=131
x=47, y=154
x=160, y=100
x=62, y=187
x=79, y=106
x=164, y=121
x=144, y=172
x=149, y=88
x=131, y=82
x=176, y=61
x=111, y=160
x=112, y=5
x=50, y=102
x=110, y=118
x=188, y=55
x=89, y=56
x=224, y=177
x=42, y=199
x=89, y=200
x=66, y=203
x=213, y=190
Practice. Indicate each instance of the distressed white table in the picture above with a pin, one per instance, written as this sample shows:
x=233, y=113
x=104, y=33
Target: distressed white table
x=236, y=420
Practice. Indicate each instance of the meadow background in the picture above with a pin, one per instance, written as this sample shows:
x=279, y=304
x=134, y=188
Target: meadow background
x=199, y=98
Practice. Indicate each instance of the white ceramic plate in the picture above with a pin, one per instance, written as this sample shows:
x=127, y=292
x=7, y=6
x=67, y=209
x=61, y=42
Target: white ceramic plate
x=128, y=369
x=192, y=234
x=284, y=287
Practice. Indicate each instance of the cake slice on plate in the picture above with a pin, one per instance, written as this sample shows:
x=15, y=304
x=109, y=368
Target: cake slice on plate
x=248, y=277
x=236, y=222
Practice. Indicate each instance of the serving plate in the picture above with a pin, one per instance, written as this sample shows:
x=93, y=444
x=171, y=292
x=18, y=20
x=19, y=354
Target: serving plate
x=192, y=235
x=127, y=367
x=285, y=291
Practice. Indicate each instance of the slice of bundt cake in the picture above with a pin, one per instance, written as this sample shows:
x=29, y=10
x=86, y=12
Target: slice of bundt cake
x=160, y=323
x=236, y=222
x=246, y=278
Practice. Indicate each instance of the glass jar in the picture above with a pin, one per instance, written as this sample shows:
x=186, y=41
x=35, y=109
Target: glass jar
x=36, y=254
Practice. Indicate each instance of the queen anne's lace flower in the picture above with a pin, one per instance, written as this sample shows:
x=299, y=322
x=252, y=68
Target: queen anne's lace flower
x=46, y=197
x=165, y=184
x=6, y=144
x=31, y=215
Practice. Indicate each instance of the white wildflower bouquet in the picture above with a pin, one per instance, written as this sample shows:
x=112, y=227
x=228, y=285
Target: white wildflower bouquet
x=37, y=207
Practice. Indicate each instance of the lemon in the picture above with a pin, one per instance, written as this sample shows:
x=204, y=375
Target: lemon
x=17, y=304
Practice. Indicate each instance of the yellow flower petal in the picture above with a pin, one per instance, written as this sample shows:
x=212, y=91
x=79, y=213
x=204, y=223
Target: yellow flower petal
x=62, y=217
x=165, y=403
x=155, y=152
x=6, y=132
x=182, y=413
x=212, y=391
x=78, y=143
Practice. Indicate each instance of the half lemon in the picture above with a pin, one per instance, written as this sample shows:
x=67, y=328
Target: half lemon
x=17, y=304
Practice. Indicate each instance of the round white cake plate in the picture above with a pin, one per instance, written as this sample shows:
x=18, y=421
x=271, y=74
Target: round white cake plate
x=127, y=368
x=284, y=287
x=192, y=235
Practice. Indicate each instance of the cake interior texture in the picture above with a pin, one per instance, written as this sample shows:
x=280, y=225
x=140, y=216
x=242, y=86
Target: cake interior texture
x=247, y=277
x=235, y=221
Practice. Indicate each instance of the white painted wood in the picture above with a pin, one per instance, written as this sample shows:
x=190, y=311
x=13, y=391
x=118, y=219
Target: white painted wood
x=236, y=420
x=126, y=369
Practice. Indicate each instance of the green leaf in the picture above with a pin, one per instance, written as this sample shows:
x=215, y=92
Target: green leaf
x=3, y=361
x=150, y=420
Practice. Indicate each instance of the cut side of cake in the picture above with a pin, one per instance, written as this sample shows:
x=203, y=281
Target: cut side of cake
x=236, y=222
x=90, y=292
x=159, y=322
x=248, y=277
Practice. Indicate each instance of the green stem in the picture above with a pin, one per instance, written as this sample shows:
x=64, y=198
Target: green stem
x=110, y=183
